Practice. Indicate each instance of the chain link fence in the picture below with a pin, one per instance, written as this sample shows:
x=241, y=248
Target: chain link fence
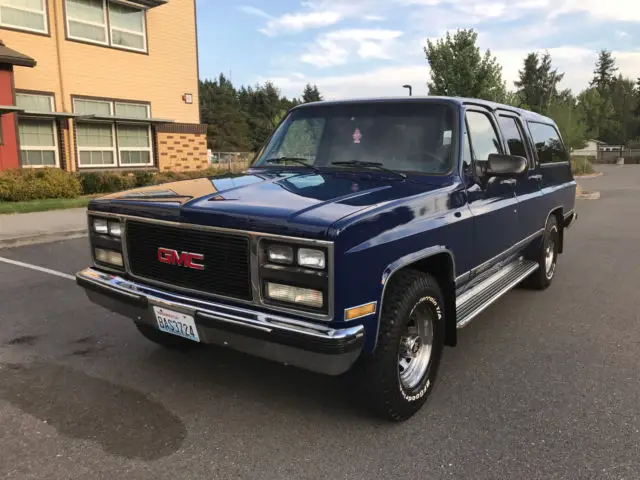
x=230, y=161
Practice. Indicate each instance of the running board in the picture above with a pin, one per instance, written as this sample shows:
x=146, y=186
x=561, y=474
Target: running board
x=472, y=302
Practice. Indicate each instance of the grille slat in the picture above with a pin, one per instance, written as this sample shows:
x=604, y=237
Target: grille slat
x=226, y=258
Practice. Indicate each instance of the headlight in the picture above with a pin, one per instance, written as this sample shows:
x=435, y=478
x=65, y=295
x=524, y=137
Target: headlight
x=311, y=258
x=100, y=225
x=289, y=294
x=115, y=229
x=108, y=256
x=104, y=226
x=280, y=254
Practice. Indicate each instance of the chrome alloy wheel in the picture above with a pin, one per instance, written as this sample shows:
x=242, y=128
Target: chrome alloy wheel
x=550, y=254
x=416, y=345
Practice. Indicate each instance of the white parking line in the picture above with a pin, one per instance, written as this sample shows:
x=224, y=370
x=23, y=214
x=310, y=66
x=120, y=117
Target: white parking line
x=37, y=268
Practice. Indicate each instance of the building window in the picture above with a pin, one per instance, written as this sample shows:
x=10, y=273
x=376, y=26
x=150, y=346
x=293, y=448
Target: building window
x=38, y=136
x=96, y=145
x=29, y=15
x=106, y=23
x=110, y=144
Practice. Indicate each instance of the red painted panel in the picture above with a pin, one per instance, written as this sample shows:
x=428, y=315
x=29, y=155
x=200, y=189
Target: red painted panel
x=9, y=147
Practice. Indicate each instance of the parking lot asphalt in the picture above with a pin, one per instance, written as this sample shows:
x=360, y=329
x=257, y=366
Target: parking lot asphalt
x=543, y=385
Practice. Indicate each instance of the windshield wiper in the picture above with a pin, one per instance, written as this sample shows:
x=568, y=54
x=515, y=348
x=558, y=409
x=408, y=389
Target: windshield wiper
x=298, y=160
x=379, y=166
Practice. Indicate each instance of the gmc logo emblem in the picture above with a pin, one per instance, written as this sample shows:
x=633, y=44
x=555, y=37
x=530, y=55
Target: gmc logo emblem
x=181, y=259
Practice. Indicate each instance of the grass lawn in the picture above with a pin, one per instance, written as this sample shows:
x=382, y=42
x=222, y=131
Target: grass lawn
x=43, y=205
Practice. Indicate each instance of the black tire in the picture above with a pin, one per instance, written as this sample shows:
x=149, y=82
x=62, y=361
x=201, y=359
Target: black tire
x=167, y=340
x=543, y=276
x=378, y=375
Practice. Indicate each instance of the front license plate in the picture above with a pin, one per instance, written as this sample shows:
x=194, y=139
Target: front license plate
x=176, y=323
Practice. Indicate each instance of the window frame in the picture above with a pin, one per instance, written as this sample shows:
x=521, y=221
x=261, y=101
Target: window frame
x=55, y=148
x=531, y=151
x=113, y=148
x=108, y=29
x=130, y=32
x=116, y=149
x=44, y=12
x=56, y=140
x=535, y=149
x=135, y=149
x=494, y=124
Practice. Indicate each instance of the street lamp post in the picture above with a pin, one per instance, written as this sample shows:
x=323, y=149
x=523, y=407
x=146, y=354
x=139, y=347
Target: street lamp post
x=409, y=87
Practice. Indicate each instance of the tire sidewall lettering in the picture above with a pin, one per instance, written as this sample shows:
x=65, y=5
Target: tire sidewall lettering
x=427, y=385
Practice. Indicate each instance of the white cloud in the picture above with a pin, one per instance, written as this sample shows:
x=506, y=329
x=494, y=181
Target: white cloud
x=297, y=22
x=624, y=10
x=400, y=46
x=323, y=13
x=576, y=62
x=336, y=47
x=386, y=81
x=249, y=10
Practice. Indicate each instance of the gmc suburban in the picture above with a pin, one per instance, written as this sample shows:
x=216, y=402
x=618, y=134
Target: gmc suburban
x=362, y=236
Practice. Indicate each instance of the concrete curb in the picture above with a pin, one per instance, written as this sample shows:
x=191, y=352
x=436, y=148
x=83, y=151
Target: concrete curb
x=24, y=240
x=584, y=195
x=591, y=175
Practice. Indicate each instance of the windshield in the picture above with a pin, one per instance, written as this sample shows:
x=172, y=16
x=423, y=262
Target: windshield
x=416, y=137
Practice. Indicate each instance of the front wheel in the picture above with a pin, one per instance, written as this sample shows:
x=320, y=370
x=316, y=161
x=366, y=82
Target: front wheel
x=397, y=379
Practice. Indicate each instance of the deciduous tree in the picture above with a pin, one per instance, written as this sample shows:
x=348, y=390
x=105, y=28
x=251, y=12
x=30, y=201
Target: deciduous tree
x=459, y=69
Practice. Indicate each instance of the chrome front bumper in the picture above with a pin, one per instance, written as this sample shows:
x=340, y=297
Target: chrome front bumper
x=306, y=345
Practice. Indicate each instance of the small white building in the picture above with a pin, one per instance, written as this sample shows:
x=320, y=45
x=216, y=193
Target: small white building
x=591, y=148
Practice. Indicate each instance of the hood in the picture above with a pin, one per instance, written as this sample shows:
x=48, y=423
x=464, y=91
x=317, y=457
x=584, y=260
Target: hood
x=272, y=202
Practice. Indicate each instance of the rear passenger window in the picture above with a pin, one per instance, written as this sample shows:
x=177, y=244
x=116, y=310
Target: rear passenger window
x=484, y=140
x=513, y=135
x=548, y=144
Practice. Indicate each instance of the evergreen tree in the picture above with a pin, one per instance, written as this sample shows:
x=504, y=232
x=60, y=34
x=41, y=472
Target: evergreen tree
x=311, y=94
x=604, y=73
x=220, y=109
x=538, y=82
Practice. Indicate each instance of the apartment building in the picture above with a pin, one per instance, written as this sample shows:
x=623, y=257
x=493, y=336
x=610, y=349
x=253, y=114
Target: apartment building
x=89, y=85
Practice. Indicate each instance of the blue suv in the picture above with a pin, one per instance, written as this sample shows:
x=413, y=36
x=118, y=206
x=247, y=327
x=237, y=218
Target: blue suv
x=363, y=235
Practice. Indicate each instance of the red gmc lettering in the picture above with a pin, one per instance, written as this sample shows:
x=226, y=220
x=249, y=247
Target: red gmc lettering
x=182, y=259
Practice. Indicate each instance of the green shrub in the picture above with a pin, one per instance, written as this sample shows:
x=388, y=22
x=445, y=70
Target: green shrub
x=35, y=184
x=581, y=166
x=143, y=178
x=106, y=182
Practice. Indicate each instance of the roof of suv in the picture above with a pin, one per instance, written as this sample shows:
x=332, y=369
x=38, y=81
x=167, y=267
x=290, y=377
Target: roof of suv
x=527, y=114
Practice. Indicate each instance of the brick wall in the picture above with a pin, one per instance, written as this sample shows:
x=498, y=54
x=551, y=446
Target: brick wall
x=182, y=147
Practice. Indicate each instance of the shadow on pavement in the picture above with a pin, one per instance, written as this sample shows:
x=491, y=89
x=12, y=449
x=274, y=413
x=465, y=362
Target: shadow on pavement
x=123, y=421
x=222, y=372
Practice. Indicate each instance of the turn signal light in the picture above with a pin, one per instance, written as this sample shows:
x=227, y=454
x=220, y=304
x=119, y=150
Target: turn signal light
x=360, y=311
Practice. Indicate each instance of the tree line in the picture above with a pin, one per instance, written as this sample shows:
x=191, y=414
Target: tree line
x=608, y=109
x=241, y=119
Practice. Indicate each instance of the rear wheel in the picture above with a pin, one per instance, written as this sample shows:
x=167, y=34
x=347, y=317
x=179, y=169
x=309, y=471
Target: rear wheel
x=397, y=379
x=547, y=257
x=167, y=340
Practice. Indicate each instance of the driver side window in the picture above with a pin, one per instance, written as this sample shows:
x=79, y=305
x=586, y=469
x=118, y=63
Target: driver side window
x=483, y=138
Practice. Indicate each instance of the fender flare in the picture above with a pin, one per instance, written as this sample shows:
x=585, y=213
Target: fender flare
x=403, y=262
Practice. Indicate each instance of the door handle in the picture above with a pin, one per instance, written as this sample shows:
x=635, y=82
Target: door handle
x=537, y=177
x=508, y=181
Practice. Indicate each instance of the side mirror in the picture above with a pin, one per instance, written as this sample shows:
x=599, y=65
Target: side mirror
x=499, y=165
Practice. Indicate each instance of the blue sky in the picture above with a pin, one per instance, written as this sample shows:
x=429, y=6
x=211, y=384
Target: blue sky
x=372, y=47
